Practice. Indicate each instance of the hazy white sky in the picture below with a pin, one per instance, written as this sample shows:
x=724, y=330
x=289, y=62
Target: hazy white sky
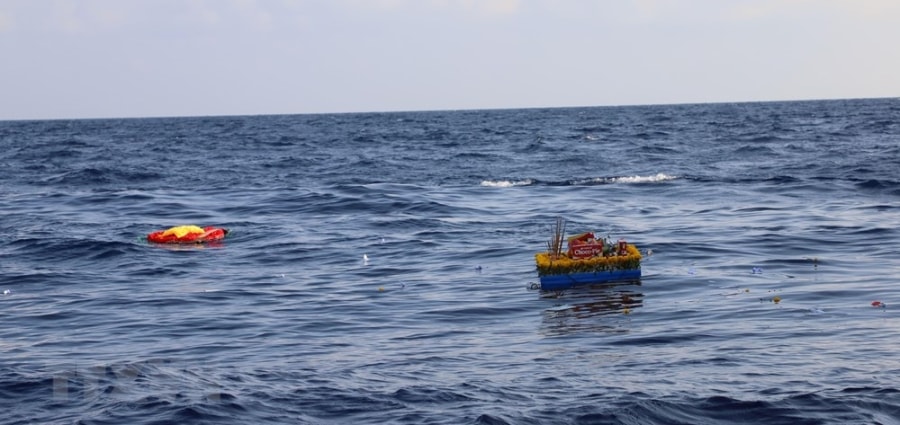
x=135, y=58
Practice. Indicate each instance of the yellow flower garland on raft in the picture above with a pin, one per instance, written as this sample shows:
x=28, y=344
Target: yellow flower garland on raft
x=566, y=265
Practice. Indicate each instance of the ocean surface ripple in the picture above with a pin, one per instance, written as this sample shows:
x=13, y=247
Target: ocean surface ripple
x=378, y=267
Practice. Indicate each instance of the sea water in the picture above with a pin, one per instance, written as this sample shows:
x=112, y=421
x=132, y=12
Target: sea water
x=378, y=267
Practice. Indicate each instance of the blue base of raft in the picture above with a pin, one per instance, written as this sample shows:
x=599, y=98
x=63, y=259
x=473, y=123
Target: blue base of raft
x=555, y=282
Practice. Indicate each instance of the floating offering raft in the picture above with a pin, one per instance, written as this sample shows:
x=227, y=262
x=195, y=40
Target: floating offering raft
x=587, y=260
x=188, y=235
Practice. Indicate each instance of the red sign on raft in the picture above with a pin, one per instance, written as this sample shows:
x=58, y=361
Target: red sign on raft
x=585, y=246
x=586, y=251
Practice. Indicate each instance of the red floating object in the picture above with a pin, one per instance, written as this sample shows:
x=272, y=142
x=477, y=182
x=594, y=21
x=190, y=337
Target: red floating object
x=623, y=247
x=584, y=246
x=877, y=304
x=188, y=234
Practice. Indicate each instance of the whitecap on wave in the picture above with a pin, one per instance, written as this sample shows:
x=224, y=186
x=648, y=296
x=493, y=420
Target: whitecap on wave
x=660, y=177
x=506, y=183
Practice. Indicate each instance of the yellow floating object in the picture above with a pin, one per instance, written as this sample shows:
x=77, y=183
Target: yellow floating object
x=776, y=300
x=181, y=231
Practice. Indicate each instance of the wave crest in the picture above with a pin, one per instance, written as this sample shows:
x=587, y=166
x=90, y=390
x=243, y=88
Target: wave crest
x=506, y=183
x=657, y=178
x=660, y=177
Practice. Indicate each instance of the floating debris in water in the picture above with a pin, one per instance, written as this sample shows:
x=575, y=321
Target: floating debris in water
x=776, y=299
x=756, y=270
x=365, y=259
x=6, y=292
x=879, y=304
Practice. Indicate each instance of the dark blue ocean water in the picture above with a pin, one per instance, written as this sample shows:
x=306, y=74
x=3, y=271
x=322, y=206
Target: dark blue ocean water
x=735, y=206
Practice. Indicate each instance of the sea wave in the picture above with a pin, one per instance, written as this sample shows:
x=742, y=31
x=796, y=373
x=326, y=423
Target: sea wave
x=507, y=183
x=656, y=178
x=369, y=278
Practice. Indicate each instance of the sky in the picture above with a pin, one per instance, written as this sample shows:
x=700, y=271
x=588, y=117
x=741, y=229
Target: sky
x=149, y=58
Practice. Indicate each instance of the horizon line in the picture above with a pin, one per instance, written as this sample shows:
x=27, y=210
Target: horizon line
x=402, y=111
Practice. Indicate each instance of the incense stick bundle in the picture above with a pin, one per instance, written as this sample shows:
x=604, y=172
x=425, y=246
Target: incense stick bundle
x=555, y=245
